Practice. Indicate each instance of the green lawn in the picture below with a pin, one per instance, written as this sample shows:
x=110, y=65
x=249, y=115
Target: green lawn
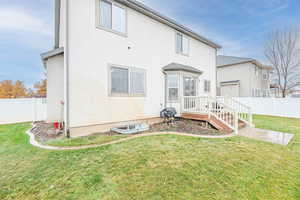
x=81, y=141
x=156, y=167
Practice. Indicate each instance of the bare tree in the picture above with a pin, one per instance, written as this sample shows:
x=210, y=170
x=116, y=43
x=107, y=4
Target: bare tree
x=283, y=52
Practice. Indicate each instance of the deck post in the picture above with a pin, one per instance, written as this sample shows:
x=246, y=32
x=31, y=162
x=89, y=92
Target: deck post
x=209, y=108
x=250, y=117
x=236, y=122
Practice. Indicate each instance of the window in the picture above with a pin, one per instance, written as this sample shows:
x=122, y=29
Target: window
x=173, y=87
x=182, y=44
x=189, y=85
x=127, y=81
x=137, y=81
x=265, y=76
x=257, y=71
x=112, y=16
x=119, y=80
x=207, y=86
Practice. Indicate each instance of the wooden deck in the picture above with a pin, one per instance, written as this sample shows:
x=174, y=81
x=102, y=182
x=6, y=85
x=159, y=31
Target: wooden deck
x=219, y=125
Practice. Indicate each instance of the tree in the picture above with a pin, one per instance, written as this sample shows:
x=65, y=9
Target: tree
x=41, y=88
x=19, y=90
x=283, y=52
x=6, y=88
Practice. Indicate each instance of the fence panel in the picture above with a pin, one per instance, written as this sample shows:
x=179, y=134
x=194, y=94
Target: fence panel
x=22, y=110
x=284, y=107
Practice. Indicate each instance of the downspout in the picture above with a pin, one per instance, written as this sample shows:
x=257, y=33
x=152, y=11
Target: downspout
x=66, y=73
x=216, y=71
x=57, y=23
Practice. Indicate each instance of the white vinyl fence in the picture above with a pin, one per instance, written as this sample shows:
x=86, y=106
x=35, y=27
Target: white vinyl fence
x=22, y=110
x=284, y=107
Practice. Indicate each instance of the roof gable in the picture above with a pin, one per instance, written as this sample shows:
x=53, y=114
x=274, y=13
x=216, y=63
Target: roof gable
x=224, y=61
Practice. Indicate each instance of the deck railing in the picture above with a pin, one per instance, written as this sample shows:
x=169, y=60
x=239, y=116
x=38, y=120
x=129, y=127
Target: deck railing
x=244, y=111
x=224, y=109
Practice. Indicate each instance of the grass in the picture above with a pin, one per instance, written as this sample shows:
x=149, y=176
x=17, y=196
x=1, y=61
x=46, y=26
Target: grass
x=81, y=141
x=156, y=167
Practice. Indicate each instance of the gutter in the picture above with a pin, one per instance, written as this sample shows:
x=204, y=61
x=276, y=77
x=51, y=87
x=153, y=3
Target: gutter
x=57, y=23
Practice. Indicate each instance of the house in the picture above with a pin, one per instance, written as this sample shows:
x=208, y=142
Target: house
x=119, y=61
x=242, y=77
x=295, y=94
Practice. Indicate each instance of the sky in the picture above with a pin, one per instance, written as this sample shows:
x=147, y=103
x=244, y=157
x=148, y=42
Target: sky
x=241, y=27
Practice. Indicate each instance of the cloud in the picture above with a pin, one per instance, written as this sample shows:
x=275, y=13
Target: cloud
x=16, y=19
x=264, y=7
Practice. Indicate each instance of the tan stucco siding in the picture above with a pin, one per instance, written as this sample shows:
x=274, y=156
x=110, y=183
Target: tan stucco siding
x=239, y=72
x=55, y=88
x=245, y=73
x=149, y=45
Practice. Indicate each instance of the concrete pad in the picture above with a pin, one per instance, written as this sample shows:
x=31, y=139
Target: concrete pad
x=267, y=135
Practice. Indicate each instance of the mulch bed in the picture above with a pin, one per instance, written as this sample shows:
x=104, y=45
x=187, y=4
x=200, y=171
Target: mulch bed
x=186, y=126
x=45, y=131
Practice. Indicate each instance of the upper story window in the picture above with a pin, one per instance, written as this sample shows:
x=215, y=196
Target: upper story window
x=182, y=44
x=127, y=81
x=112, y=16
x=265, y=76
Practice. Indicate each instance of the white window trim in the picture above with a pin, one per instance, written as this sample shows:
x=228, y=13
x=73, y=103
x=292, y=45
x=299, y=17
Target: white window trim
x=189, y=41
x=167, y=88
x=129, y=94
x=98, y=24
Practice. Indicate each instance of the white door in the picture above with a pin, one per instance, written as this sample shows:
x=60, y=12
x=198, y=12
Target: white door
x=230, y=90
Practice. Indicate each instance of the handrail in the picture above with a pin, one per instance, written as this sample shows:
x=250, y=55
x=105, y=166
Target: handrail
x=244, y=111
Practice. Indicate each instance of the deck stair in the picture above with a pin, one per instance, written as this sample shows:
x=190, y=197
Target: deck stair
x=225, y=114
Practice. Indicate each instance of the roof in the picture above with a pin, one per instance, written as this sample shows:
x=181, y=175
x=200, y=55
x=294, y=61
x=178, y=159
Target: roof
x=223, y=61
x=52, y=53
x=180, y=67
x=166, y=20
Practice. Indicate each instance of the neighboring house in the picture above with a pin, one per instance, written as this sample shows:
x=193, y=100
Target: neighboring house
x=242, y=77
x=295, y=94
x=275, y=91
x=120, y=62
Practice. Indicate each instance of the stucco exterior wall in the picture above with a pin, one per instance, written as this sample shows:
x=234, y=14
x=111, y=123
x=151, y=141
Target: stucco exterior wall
x=149, y=45
x=245, y=73
x=241, y=72
x=257, y=79
x=55, y=89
